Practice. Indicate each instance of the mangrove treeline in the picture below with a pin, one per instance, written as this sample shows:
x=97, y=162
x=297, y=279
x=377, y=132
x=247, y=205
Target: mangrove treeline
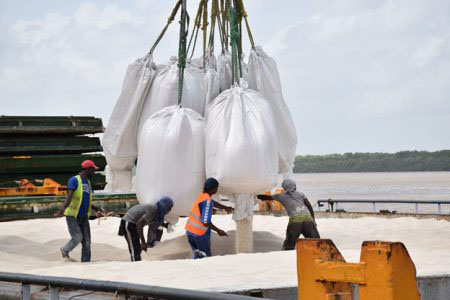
x=404, y=161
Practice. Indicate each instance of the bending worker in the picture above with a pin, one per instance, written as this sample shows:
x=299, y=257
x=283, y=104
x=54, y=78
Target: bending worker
x=300, y=212
x=198, y=226
x=133, y=222
x=77, y=209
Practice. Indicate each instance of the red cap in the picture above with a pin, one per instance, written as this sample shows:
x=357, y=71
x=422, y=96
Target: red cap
x=89, y=164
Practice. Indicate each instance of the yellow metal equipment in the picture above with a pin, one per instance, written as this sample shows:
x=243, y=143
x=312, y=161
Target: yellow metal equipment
x=27, y=188
x=385, y=271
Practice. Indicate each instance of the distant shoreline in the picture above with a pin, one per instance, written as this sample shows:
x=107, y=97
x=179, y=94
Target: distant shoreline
x=362, y=172
x=404, y=161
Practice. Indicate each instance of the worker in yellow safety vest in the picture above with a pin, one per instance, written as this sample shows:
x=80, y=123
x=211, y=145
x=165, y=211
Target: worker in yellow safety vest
x=77, y=210
x=199, y=225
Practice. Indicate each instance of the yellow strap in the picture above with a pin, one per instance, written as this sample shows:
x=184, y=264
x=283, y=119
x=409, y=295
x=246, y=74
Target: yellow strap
x=243, y=13
x=169, y=20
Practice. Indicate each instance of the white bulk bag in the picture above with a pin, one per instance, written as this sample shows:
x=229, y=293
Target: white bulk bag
x=197, y=89
x=263, y=76
x=241, y=152
x=171, y=159
x=120, y=139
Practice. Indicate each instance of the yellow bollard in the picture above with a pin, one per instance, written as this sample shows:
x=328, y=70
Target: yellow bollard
x=391, y=273
x=385, y=271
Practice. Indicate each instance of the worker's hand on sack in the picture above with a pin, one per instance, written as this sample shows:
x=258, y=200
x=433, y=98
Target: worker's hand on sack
x=144, y=246
x=229, y=210
x=220, y=232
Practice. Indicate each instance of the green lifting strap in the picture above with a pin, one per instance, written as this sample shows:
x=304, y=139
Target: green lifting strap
x=234, y=38
x=184, y=28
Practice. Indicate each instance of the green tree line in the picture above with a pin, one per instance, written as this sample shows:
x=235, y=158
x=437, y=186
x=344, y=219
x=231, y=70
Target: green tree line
x=404, y=161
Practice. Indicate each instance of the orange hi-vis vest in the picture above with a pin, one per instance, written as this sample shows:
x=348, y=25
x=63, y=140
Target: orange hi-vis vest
x=194, y=225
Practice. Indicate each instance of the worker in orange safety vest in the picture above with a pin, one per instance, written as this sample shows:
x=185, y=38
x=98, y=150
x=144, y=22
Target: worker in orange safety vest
x=199, y=225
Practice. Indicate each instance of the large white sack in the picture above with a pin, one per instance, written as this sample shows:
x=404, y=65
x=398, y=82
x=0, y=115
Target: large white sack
x=263, y=76
x=120, y=139
x=198, y=89
x=171, y=158
x=241, y=152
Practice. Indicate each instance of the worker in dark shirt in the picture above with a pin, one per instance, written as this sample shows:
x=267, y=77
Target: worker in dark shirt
x=300, y=212
x=139, y=216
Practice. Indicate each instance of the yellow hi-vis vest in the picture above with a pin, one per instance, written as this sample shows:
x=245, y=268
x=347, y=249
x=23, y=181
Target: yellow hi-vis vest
x=77, y=198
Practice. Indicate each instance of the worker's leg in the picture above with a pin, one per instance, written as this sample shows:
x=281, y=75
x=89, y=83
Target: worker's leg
x=123, y=232
x=159, y=233
x=201, y=246
x=86, y=241
x=134, y=244
x=292, y=234
x=309, y=230
x=193, y=244
x=204, y=245
x=75, y=234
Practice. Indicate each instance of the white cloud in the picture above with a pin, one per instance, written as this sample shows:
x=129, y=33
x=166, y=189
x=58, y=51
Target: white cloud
x=277, y=42
x=428, y=51
x=90, y=14
x=39, y=31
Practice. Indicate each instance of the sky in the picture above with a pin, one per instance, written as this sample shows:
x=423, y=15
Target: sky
x=358, y=76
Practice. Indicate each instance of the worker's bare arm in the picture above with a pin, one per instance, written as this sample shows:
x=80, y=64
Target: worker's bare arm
x=309, y=206
x=66, y=203
x=68, y=199
x=265, y=197
x=221, y=206
x=219, y=231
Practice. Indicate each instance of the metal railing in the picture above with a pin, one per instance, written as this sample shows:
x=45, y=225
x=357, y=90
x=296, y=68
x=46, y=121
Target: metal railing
x=333, y=203
x=121, y=289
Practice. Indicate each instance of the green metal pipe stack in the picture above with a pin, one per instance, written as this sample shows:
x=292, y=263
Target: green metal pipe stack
x=35, y=147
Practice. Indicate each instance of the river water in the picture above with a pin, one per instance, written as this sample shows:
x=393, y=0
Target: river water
x=426, y=186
